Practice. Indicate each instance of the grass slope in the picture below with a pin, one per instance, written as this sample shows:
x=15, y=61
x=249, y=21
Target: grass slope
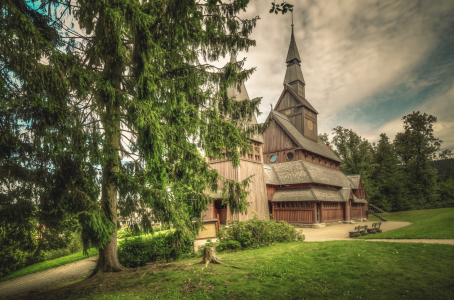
x=318, y=270
x=49, y=264
x=41, y=266
x=427, y=224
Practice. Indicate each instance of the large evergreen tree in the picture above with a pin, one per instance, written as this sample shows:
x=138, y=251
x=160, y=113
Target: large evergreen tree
x=124, y=112
x=416, y=148
x=355, y=152
x=388, y=184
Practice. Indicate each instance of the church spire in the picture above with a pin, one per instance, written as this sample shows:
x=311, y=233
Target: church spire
x=294, y=75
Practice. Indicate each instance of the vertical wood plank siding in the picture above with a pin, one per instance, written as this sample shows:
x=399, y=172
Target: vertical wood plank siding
x=333, y=214
x=358, y=211
x=276, y=139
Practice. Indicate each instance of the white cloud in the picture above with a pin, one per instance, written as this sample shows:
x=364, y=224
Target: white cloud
x=350, y=51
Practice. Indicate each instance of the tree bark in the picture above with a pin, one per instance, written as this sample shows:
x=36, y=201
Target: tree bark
x=108, y=259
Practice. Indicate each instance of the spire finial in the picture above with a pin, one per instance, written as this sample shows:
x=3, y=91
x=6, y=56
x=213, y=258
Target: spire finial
x=292, y=21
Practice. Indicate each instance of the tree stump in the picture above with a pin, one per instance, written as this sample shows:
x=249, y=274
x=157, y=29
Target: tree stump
x=209, y=256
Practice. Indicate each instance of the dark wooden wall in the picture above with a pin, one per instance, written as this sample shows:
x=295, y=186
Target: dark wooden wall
x=276, y=139
x=310, y=116
x=299, y=154
x=295, y=214
x=358, y=211
x=332, y=212
x=298, y=115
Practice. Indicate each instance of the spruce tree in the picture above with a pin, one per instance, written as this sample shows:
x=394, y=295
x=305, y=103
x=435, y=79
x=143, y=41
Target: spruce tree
x=127, y=111
x=387, y=178
x=416, y=148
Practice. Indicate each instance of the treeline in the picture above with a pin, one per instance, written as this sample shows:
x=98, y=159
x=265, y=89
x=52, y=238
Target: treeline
x=399, y=174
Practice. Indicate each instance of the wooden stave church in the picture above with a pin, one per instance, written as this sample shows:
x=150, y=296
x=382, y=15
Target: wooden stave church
x=297, y=177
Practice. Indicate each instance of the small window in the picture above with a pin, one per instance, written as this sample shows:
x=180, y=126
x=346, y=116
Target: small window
x=293, y=204
x=298, y=204
x=278, y=205
x=273, y=158
x=290, y=155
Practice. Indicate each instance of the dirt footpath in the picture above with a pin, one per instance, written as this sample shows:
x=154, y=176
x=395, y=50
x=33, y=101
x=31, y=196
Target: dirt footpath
x=47, y=279
x=340, y=232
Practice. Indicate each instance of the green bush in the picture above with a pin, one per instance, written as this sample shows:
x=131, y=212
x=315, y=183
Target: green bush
x=256, y=233
x=18, y=247
x=127, y=233
x=134, y=252
x=228, y=245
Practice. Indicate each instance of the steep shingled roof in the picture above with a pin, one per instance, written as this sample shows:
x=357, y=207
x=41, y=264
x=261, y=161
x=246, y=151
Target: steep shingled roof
x=301, y=99
x=355, y=179
x=304, y=172
x=318, y=147
x=293, y=73
x=307, y=195
x=293, y=52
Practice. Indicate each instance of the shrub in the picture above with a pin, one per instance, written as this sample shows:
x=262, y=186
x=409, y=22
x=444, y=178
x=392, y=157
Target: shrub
x=18, y=247
x=134, y=252
x=256, y=233
x=228, y=245
x=127, y=233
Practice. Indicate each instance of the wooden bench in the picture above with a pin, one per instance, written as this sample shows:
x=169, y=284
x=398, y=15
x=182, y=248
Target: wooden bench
x=372, y=230
x=377, y=227
x=359, y=230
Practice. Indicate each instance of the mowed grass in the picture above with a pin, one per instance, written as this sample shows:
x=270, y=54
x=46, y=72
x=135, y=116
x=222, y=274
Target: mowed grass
x=298, y=270
x=427, y=224
x=49, y=264
x=41, y=266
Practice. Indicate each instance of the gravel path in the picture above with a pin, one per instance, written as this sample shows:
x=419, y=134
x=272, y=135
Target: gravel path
x=47, y=278
x=340, y=232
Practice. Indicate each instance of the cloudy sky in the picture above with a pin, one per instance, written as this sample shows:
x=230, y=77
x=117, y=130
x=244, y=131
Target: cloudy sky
x=366, y=63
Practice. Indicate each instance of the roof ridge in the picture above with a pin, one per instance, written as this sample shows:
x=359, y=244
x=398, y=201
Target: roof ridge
x=280, y=115
x=305, y=169
x=289, y=134
x=313, y=194
x=303, y=101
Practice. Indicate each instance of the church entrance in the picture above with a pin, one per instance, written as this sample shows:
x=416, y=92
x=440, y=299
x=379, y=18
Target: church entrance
x=220, y=210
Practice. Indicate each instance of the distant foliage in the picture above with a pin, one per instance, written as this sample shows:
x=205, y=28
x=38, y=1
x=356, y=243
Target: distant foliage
x=18, y=248
x=400, y=175
x=136, y=252
x=256, y=233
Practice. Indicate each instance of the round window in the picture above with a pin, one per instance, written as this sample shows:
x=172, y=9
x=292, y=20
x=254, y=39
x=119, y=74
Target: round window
x=290, y=155
x=273, y=158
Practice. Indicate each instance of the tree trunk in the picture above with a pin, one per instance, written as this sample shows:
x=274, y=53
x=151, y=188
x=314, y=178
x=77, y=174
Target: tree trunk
x=108, y=259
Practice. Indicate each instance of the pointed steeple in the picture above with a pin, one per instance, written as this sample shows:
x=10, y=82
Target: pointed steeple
x=294, y=76
x=293, y=50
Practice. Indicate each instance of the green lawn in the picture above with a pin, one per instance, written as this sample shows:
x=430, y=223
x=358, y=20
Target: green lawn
x=65, y=260
x=427, y=224
x=298, y=270
x=49, y=264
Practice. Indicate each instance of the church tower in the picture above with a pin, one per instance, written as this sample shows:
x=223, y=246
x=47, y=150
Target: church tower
x=292, y=102
x=250, y=165
x=303, y=178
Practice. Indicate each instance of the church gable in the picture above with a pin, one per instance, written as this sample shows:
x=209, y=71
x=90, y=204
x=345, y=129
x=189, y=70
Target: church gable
x=286, y=101
x=277, y=139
